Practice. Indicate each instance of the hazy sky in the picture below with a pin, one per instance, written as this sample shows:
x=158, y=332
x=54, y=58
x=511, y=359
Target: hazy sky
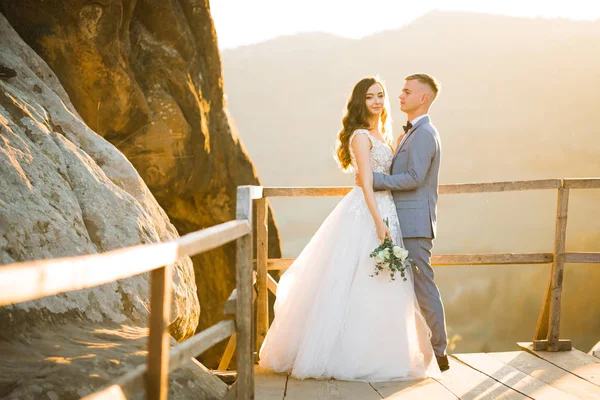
x=241, y=22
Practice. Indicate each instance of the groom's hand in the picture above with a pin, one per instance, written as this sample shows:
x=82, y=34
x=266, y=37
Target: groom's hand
x=357, y=180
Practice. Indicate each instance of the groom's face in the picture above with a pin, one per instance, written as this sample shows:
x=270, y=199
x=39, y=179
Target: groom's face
x=412, y=94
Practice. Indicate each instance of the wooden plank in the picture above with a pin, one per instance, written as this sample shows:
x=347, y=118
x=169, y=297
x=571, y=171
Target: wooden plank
x=244, y=289
x=210, y=238
x=269, y=385
x=228, y=377
x=491, y=259
x=486, y=187
x=278, y=264
x=544, y=345
x=306, y=191
x=512, y=377
x=48, y=277
x=228, y=354
x=442, y=260
x=158, y=339
x=576, y=362
x=558, y=265
x=413, y=390
x=272, y=284
x=211, y=385
x=575, y=257
x=549, y=373
x=201, y=342
x=467, y=383
x=489, y=187
x=582, y=183
x=230, y=306
x=254, y=192
x=232, y=393
x=262, y=299
x=541, y=328
x=329, y=389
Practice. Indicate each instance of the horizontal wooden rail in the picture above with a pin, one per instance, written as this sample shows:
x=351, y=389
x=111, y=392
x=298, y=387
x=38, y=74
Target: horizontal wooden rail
x=490, y=187
x=573, y=257
x=133, y=382
x=454, y=259
x=201, y=342
x=211, y=238
x=48, y=277
x=491, y=259
x=306, y=191
x=485, y=187
x=31, y=280
x=583, y=183
x=275, y=264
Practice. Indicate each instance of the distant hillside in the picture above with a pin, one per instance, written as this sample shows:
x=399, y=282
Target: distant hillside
x=519, y=100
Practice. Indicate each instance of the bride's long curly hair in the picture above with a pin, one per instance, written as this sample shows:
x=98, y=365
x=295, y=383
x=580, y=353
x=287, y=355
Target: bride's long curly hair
x=357, y=116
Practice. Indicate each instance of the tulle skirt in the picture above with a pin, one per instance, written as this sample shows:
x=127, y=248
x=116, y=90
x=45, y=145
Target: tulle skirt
x=334, y=319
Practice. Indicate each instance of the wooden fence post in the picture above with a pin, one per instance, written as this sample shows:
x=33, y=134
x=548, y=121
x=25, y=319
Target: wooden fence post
x=158, y=339
x=560, y=238
x=244, y=351
x=549, y=319
x=262, y=299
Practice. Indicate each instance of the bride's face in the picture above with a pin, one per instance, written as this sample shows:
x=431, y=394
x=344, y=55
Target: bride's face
x=375, y=99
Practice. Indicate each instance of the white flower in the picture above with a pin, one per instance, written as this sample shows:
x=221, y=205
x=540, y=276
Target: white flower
x=397, y=251
x=403, y=254
x=380, y=257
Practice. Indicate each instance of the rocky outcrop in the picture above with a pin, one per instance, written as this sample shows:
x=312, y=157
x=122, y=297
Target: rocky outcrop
x=147, y=77
x=67, y=191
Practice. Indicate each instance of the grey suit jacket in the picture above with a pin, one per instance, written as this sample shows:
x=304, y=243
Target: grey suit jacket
x=414, y=180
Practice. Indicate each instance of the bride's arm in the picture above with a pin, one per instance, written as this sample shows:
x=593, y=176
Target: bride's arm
x=361, y=145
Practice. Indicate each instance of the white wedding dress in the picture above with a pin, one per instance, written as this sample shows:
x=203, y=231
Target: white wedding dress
x=332, y=319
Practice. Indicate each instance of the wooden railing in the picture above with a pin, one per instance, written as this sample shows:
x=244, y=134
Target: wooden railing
x=48, y=277
x=546, y=336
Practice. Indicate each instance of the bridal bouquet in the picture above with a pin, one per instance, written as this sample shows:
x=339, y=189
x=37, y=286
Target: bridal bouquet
x=392, y=258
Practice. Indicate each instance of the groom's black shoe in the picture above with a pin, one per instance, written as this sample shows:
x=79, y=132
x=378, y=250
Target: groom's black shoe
x=443, y=362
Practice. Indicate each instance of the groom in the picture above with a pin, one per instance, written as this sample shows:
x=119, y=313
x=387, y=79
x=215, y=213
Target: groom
x=414, y=185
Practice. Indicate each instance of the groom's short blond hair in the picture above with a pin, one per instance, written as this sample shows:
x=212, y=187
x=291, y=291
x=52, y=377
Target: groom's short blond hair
x=427, y=80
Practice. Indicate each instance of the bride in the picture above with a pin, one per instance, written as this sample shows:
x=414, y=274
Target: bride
x=333, y=317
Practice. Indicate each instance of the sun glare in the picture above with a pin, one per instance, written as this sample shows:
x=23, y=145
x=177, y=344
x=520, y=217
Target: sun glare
x=239, y=22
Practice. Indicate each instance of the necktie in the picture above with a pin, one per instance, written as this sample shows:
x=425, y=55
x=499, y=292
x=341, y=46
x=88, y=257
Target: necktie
x=407, y=127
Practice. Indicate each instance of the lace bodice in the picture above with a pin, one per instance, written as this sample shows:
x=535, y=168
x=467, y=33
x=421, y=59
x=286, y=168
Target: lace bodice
x=381, y=161
x=381, y=154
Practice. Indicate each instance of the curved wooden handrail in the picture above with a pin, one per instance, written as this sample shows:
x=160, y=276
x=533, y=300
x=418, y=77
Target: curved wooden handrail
x=48, y=277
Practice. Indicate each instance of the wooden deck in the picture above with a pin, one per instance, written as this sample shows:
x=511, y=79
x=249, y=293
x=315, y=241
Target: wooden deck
x=524, y=374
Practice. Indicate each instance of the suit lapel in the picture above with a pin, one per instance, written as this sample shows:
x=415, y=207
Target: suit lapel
x=409, y=135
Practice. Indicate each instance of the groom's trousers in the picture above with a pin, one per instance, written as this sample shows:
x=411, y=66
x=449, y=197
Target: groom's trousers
x=428, y=294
